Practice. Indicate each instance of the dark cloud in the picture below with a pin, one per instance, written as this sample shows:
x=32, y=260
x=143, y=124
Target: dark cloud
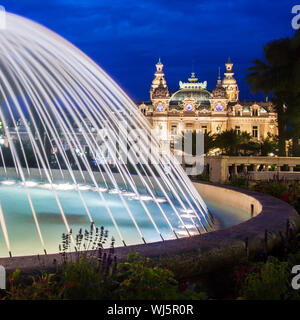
x=127, y=37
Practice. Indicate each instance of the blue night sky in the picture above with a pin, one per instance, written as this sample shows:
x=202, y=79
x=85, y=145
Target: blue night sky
x=126, y=37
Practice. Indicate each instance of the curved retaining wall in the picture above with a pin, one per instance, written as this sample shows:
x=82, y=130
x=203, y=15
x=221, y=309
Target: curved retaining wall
x=268, y=213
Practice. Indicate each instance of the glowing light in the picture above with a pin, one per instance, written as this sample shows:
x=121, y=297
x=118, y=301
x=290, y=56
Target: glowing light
x=84, y=187
x=100, y=189
x=188, y=226
x=129, y=194
x=71, y=96
x=160, y=108
x=219, y=107
x=65, y=186
x=161, y=200
x=187, y=211
x=115, y=191
x=185, y=233
x=182, y=232
x=48, y=186
x=146, y=198
x=9, y=182
x=189, y=107
x=30, y=184
x=188, y=216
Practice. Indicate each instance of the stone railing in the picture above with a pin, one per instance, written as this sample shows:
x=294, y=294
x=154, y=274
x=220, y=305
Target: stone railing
x=255, y=168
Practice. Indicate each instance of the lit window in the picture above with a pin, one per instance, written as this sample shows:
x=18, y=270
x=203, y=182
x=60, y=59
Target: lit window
x=255, y=131
x=238, y=129
x=174, y=129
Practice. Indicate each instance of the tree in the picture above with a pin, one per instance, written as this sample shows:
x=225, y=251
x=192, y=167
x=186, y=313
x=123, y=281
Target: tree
x=269, y=145
x=231, y=142
x=209, y=141
x=278, y=75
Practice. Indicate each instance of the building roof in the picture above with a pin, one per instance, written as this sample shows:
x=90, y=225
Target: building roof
x=267, y=106
x=201, y=96
x=191, y=89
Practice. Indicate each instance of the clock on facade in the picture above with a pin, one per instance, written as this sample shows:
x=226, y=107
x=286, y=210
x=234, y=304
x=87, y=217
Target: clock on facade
x=219, y=107
x=189, y=107
x=160, y=108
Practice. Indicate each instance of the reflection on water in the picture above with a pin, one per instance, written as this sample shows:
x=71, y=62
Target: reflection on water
x=24, y=238
x=56, y=218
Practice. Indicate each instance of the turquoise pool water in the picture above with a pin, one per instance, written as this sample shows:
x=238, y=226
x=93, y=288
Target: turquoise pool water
x=24, y=238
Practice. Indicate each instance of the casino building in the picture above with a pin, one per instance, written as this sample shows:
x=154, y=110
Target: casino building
x=194, y=107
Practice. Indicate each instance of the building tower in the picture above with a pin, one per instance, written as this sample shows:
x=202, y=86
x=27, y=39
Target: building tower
x=159, y=92
x=229, y=83
x=219, y=98
x=159, y=77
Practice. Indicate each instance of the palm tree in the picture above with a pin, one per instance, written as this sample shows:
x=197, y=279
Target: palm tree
x=231, y=142
x=209, y=141
x=278, y=75
x=269, y=145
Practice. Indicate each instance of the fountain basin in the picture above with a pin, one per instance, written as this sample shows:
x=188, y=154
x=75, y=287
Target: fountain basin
x=268, y=214
x=24, y=239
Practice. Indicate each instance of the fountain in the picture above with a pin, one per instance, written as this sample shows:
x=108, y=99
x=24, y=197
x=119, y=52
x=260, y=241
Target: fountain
x=66, y=158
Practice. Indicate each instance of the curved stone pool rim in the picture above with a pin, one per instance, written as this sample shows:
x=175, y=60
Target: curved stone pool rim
x=265, y=213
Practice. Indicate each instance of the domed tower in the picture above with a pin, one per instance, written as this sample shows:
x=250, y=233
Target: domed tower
x=229, y=83
x=219, y=98
x=159, y=92
x=159, y=78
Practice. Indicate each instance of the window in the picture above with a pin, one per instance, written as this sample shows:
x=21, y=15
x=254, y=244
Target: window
x=238, y=129
x=204, y=129
x=255, y=131
x=255, y=112
x=174, y=129
x=189, y=126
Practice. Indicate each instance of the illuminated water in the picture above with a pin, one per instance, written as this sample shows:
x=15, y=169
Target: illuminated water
x=56, y=103
x=24, y=239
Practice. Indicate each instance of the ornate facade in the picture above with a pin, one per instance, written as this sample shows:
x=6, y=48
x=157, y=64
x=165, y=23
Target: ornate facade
x=194, y=107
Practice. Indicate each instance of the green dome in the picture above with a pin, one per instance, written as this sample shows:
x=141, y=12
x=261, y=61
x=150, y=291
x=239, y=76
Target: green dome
x=201, y=96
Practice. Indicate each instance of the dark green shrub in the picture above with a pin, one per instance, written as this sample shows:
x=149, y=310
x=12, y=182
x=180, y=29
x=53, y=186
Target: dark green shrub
x=41, y=287
x=85, y=279
x=138, y=280
x=276, y=189
x=239, y=182
x=271, y=281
